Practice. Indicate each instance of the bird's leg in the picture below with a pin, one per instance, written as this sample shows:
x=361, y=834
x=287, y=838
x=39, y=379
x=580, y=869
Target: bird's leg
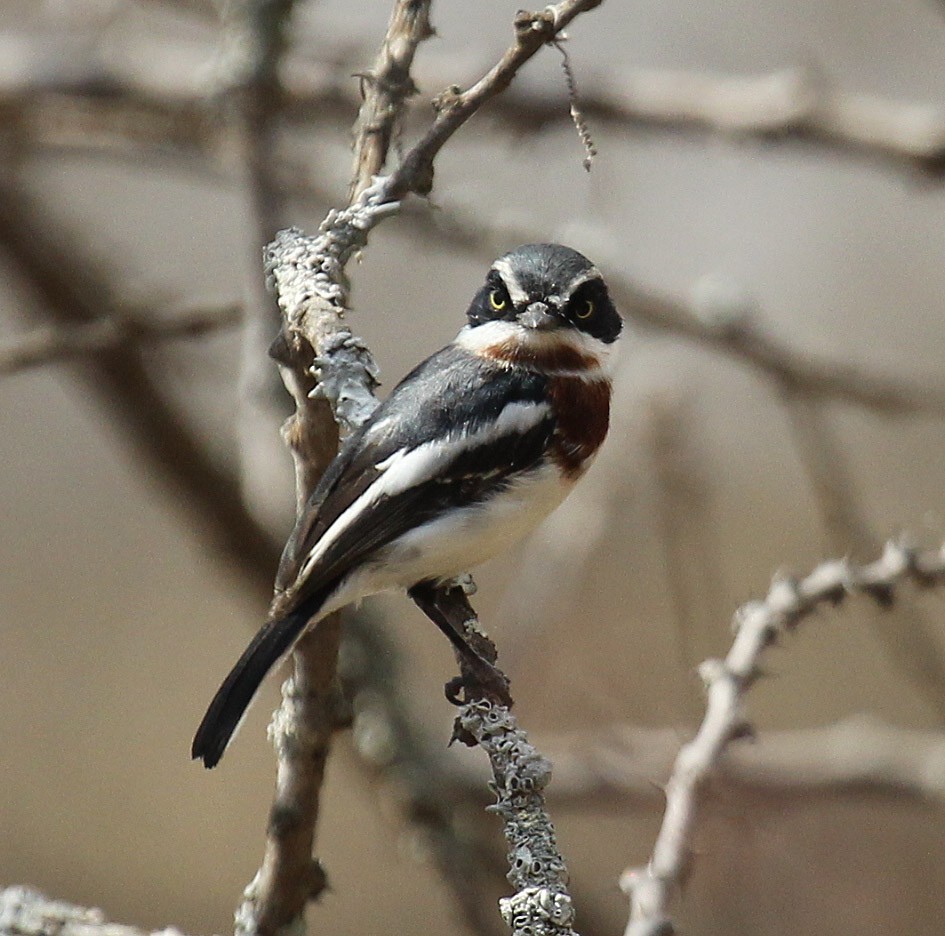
x=449, y=608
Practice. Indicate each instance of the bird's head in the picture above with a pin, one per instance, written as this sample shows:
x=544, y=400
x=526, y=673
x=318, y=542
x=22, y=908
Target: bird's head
x=542, y=297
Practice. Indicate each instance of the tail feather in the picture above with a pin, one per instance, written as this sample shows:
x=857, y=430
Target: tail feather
x=229, y=705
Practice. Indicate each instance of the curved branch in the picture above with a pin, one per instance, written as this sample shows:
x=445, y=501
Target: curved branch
x=758, y=626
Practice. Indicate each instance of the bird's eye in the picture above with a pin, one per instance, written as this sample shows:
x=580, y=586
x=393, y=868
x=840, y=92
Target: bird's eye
x=585, y=309
x=497, y=300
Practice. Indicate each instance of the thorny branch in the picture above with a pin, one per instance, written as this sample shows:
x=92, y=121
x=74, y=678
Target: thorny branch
x=758, y=625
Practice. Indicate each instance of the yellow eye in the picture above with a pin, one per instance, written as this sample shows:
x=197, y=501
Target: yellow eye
x=497, y=300
x=585, y=310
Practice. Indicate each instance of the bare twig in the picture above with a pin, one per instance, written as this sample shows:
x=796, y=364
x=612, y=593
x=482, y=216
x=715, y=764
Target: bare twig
x=387, y=85
x=758, y=625
x=454, y=108
x=68, y=341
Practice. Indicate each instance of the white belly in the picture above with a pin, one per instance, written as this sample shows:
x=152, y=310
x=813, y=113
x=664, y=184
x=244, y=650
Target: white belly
x=459, y=541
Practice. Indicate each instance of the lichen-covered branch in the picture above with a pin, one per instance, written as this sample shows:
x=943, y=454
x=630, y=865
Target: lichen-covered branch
x=541, y=905
x=758, y=625
x=26, y=912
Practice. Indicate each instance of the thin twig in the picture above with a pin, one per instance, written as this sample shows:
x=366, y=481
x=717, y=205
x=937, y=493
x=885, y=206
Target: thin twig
x=54, y=344
x=758, y=625
x=454, y=108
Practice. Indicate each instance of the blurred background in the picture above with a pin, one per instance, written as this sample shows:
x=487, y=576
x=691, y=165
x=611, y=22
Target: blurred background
x=768, y=175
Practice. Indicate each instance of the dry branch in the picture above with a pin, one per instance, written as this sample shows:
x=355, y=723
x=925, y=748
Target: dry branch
x=63, y=343
x=758, y=625
x=387, y=86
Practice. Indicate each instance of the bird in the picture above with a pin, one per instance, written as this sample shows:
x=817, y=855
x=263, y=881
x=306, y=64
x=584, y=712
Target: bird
x=466, y=456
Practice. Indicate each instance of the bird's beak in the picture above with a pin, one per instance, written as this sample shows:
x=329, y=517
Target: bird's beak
x=538, y=316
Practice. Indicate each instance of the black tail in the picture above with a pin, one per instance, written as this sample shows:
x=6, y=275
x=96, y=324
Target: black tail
x=232, y=699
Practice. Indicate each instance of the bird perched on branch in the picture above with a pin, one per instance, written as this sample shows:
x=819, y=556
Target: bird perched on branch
x=471, y=450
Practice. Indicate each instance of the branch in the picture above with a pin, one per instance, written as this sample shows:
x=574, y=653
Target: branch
x=541, y=903
x=27, y=912
x=65, y=342
x=532, y=31
x=386, y=88
x=758, y=625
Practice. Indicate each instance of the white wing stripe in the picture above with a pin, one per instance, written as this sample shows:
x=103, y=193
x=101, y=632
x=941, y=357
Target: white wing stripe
x=407, y=468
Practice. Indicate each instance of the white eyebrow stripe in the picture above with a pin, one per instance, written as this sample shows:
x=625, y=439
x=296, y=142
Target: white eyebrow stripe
x=407, y=468
x=592, y=274
x=516, y=293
